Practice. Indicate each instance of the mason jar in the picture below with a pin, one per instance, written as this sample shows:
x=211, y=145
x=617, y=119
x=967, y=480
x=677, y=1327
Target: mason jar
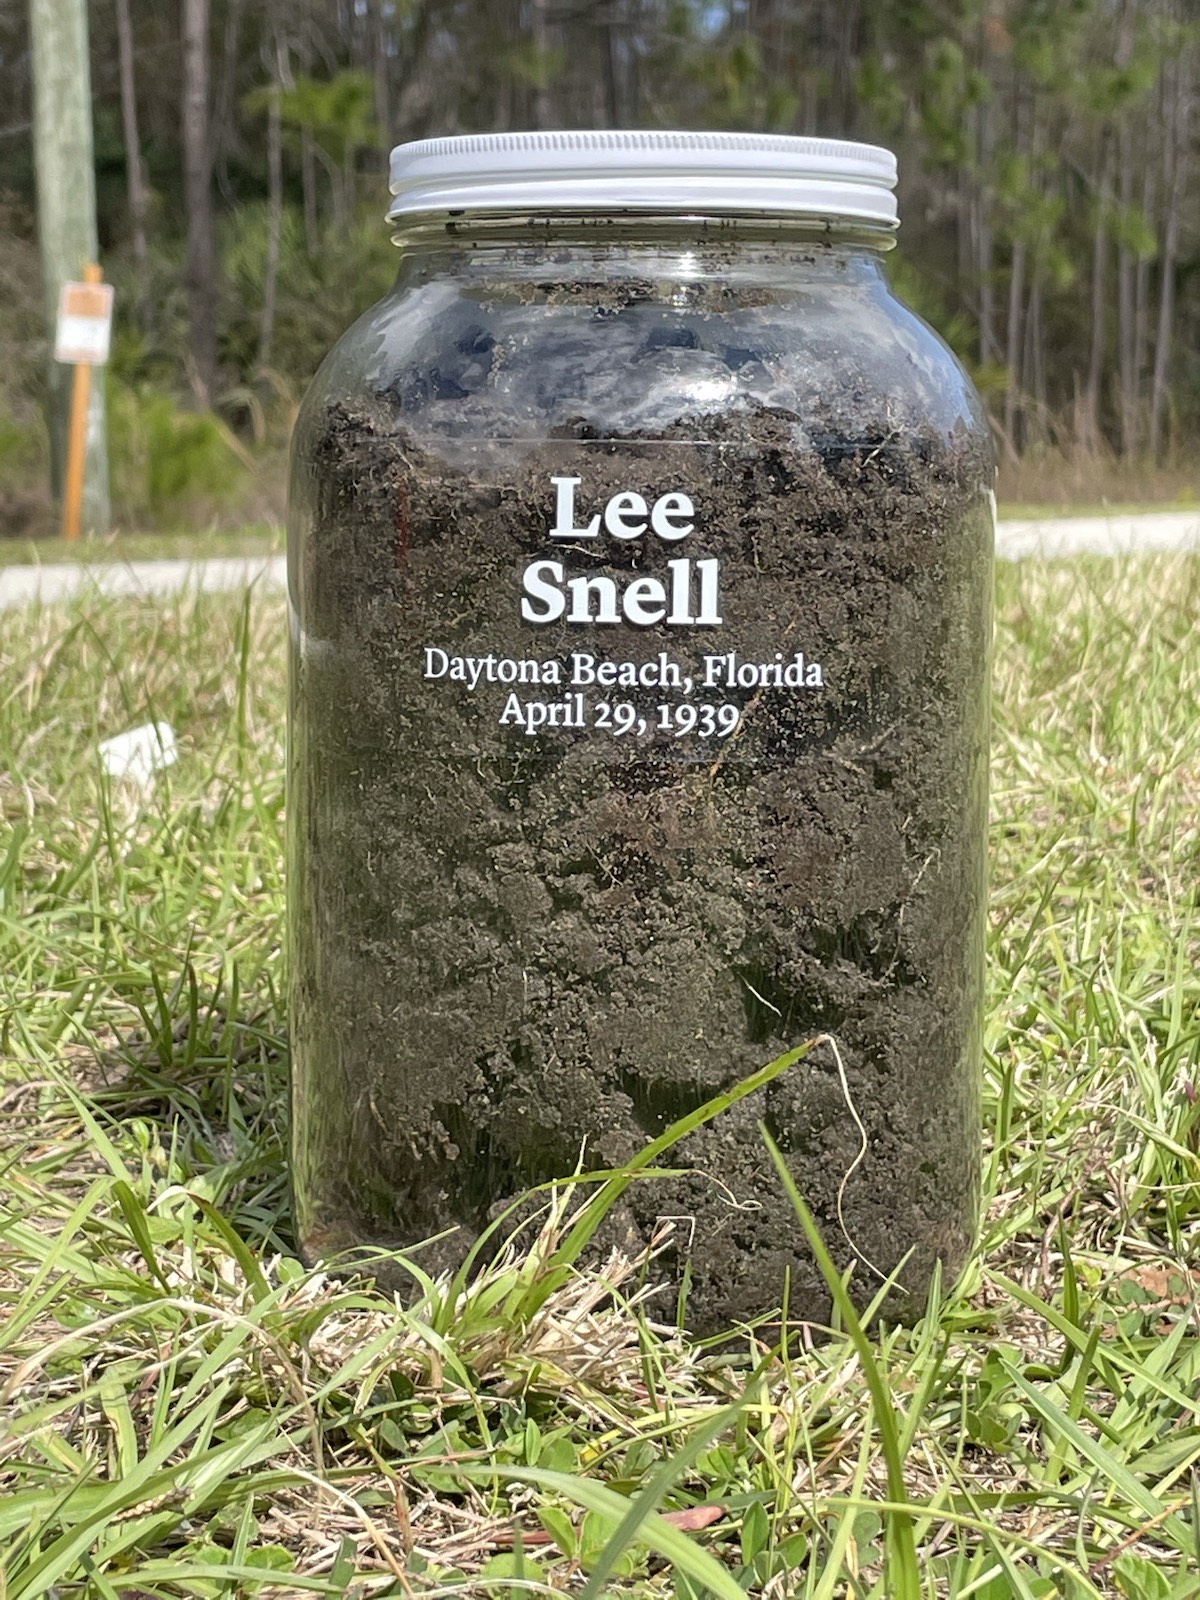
x=639, y=578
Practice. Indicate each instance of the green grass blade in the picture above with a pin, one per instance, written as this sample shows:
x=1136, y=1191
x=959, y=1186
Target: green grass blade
x=904, y=1575
x=652, y=1532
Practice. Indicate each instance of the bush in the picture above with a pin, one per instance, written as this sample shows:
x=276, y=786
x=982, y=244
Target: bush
x=24, y=449
x=167, y=463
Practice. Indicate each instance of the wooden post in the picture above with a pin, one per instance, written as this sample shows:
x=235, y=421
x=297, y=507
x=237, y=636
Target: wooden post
x=66, y=210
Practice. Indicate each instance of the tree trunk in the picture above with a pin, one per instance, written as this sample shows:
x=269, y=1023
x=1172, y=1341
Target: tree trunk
x=308, y=185
x=421, y=82
x=349, y=186
x=634, y=76
x=1141, y=312
x=1095, y=372
x=134, y=172
x=266, y=329
x=1016, y=293
x=1174, y=160
x=846, y=70
x=223, y=101
x=200, y=277
x=1126, y=273
x=989, y=346
x=1126, y=267
x=542, y=113
x=608, y=47
x=383, y=87
x=1035, y=357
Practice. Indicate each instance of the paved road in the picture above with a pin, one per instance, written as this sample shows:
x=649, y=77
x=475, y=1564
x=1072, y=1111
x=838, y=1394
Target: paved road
x=1103, y=536
x=61, y=580
x=1064, y=536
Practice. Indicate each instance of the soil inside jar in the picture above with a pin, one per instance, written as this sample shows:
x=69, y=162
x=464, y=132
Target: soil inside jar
x=512, y=951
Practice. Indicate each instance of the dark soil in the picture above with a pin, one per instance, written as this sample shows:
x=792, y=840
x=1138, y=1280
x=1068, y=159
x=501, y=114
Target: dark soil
x=507, y=949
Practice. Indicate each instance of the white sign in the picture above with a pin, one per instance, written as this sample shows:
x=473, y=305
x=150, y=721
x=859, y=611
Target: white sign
x=84, y=323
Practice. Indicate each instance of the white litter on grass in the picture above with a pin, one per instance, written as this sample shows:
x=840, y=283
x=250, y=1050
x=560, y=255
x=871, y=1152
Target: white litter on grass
x=140, y=753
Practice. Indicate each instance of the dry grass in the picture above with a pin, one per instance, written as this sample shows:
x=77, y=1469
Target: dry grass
x=1053, y=482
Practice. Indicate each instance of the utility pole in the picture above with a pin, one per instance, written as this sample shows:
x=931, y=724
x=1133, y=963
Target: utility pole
x=66, y=207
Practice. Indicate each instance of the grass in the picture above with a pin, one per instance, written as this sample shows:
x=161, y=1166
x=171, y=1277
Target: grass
x=1058, y=482
x=1052, y=511
x=186, y=1410
x=255, y=539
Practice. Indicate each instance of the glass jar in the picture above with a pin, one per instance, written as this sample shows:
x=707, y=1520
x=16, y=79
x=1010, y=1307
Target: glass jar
x=640, y=578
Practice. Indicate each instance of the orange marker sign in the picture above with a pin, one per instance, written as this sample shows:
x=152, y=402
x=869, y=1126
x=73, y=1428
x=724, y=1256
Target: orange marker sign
x=82, y=338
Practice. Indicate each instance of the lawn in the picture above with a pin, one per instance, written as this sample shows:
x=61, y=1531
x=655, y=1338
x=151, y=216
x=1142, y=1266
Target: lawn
x=186, y=1410
x=254, y=539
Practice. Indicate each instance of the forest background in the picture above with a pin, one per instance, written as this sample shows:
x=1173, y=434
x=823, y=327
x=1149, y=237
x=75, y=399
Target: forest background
x=1048, y=189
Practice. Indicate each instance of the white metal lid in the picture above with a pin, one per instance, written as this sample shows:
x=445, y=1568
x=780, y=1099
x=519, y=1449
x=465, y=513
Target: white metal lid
x=616, y=170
